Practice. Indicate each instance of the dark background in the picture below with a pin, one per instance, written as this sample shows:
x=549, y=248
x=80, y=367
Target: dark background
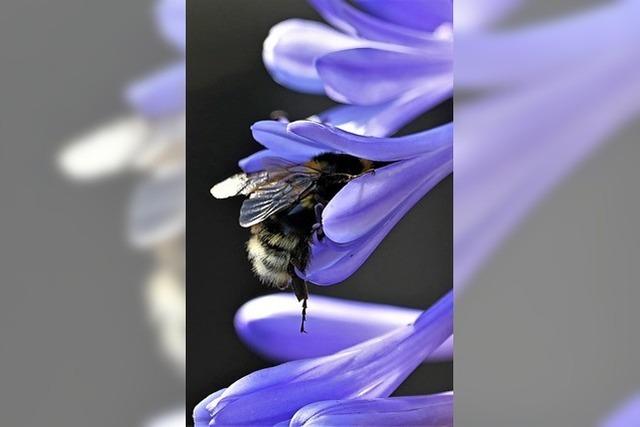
x=228, y=89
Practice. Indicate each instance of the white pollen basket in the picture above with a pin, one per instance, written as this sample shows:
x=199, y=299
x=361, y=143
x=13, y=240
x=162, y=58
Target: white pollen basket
x=230, y=187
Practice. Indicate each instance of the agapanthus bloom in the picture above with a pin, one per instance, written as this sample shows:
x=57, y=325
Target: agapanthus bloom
x=626, y=415
x=264, y=324
x=390, y=62
x=356, y=220
x=369, y=370
x=423, y=411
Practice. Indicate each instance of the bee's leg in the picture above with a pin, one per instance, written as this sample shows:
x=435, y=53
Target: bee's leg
x=301, y=290
x=317, y=227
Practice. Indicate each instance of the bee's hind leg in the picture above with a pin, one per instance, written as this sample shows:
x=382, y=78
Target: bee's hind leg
x=301, y=290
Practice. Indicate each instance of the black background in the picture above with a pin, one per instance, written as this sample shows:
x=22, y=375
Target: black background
x=228, y=89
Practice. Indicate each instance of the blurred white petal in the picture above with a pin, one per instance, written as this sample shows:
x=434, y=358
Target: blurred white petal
x=104, y=151
x=166, y=305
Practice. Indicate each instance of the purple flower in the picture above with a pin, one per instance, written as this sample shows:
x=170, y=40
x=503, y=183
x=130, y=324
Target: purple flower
x=264, y=324
x=425, y=411
x=391, y=63
x=372, y=369
x=357, y=219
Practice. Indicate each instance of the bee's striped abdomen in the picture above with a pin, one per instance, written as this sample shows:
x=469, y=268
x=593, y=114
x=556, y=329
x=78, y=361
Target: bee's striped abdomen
x=270, y=255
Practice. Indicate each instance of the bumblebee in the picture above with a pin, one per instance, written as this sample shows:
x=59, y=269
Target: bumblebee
x=283, y=211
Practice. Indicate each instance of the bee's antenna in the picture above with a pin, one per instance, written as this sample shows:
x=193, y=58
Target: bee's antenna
x=304, y=315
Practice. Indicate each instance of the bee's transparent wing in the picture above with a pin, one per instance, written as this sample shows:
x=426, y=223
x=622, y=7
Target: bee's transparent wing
x=275, y=197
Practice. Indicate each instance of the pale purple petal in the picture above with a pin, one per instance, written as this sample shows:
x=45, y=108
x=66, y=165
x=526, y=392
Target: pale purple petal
x=366, y=76
x=292, y=47
x=422, y=15
x=268, y=325
x=347, y=18
x=378, y=149
x=171, y=16
x=160, y=94
x=372, y=369
x=333, y=262
x=424, y=411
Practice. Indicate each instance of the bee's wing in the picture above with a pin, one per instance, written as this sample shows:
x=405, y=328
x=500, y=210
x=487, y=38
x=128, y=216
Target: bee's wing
x=274, y=197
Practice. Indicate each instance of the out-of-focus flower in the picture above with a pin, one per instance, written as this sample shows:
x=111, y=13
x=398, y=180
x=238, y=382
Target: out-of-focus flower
x=424, y=411
x=151, y=141
x=264, y=324
x=172, y=418
x=372, y=369
x=357, y=219
x=391, y=63
x=513, y=147
x=627, y=415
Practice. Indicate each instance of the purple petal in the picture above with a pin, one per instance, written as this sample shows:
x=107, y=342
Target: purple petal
x=332, y=262
x=372, y=369
x=426, y=15
x=352, y=21
x=160, y=94
x=426, y=411
x=263, y=158
x=292, y=47
x=474, y=15
x=385, y=119
x=171, y=16
x=268, y=325
x=365, y=76
x=201, y=416
x=379, y=149
x=274, y=136
x=366, y=201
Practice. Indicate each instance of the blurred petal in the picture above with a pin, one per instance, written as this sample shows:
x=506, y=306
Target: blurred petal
x=424, y=411
x=174, y=418
x=372, y=369
x=379, y=149
x=385, y=119
x=366, y=76
x=104, y=151
x=555, y=142
x=290, y=51
x=627, y=415
x=480, y=57
x=171, y=16
x=352, y=21
x=165, y=143
x=425, y=15
x=332, y=262
x=265, y=325
x=366, y=201
x=473, y=15
x=159, y=94
x=157, y=210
